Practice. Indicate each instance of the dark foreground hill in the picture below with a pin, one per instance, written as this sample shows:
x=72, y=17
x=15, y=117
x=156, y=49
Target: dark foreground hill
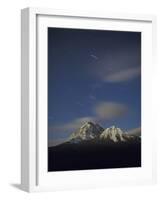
x=94, y=154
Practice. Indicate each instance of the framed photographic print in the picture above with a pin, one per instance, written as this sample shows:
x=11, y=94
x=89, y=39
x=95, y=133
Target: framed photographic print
x=86, y=99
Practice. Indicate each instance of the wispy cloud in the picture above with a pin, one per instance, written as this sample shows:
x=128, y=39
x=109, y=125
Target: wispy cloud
x=103, y=111
x=110, y=110
x=56, y=142
x=119, y=66
x=121, y=75
x=94, y=56
x=135, y=131
x=71, y=125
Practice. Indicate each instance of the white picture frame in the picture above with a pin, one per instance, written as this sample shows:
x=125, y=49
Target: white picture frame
x=34, y=23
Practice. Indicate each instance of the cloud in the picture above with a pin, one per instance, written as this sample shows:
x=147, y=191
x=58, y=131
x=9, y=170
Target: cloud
x=70, y=126
x=94, y=56
x=102, y=111
x=55, y=142
x=121, y=75
x=135, y=131
x=119, y=66
x=110, y=110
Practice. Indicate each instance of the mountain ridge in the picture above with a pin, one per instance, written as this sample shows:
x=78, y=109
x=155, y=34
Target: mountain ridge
x=93, y=131
x=93, y=147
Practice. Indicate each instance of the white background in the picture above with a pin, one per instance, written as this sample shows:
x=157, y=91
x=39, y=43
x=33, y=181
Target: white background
x=10, y=98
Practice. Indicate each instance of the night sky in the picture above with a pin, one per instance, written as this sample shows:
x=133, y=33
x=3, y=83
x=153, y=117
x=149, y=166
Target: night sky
x=93, y=75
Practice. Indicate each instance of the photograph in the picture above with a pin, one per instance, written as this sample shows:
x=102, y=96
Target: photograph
x=94, y=99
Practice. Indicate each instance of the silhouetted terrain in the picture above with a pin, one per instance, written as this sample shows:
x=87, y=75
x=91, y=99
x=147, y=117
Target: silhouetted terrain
x=93, y=147
x=94, y=155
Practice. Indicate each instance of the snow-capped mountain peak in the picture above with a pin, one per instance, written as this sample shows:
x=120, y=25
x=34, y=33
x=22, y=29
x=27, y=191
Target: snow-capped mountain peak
x=87, y=131
x=114, y=134
x=92, y=131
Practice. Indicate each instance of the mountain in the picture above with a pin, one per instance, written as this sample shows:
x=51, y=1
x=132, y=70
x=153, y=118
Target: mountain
x=88, y=131
x=114, y=134
x=94, y=132
x=93, y=147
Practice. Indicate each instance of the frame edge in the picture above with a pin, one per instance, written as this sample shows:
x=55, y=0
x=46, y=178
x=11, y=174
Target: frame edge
x=28, y=84
x=28, y=100
x=25, y=99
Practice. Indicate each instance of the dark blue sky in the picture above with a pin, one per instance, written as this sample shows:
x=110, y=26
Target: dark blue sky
x=93, y=75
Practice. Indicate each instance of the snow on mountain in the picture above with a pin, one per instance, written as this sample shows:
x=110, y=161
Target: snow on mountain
x=115, y=135
x=88, y=131
x=112, y=133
